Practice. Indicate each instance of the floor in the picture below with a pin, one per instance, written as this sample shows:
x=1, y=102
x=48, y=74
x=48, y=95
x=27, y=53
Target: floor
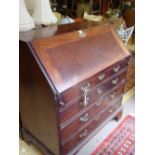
x=128, y=107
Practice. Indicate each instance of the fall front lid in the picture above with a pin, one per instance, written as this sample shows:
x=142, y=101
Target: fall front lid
x=73, y=57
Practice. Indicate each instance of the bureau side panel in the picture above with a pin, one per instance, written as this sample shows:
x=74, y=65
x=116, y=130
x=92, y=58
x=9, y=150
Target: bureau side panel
x=37, y=103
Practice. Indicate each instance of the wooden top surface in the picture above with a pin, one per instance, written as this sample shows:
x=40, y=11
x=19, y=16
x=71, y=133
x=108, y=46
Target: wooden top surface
x=44, y=32
x=70, y=58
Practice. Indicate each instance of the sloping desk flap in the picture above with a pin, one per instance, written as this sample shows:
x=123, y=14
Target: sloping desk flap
x=72, y=57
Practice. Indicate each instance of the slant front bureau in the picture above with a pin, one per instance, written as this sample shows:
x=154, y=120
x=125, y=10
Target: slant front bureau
x=71, y=84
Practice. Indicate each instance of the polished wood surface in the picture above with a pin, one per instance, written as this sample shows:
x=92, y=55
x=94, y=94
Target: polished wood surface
x=45, y=32
x=85, y=117
x=67, y=112
x=71, y=94
x=56, y=64
x=84, y=56
x=98, y=119
x=37, y=101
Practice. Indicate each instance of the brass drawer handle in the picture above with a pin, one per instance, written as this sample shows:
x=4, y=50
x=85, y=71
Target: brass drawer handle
x=61, y=103
x=85, y=101
x=101, y=76
x=116, y=69
x=83, y=134
x=115, y=81
x=86, y=87
x=85, y=90
x=98, y=104
x=99, y=91
x=98, y=118
x=110, y=110
x=84, y=118
x=113, y=95
x=82, y=33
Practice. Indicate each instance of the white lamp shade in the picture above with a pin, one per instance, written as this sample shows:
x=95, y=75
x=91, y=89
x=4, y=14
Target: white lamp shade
x=30, y=4
x=43, y=13
x=26, y=22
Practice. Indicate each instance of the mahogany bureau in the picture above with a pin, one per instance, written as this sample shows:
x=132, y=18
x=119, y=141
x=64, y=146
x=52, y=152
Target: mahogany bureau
x=72, y=81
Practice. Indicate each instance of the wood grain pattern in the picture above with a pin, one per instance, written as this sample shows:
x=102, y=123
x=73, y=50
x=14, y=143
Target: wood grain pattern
x=55, y=64
x=98, y=119
x=80, y=54
x=52, y=30
x=76, y=107
x=37, y=102
x=102, y=103
x=71, y=94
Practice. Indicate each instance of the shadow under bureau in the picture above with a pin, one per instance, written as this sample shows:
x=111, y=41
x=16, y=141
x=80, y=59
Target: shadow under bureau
x=71, y=84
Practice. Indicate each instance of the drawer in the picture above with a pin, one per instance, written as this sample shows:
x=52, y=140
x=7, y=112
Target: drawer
x=86, y=131
x=76, y=91
x=84, y=118
x=67, y=112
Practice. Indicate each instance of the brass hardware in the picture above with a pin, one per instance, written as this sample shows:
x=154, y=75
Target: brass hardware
x=82, y=33
x=85, y=101
x=83, y=134
x=97, y=118
x=99, y=91
x=116, y=69
x=98, y=103
x=85, y=89
x=61, y=103
x=115, y=81
x=101, y=76
x=110, y=110
x=84, y=118
x=113, y=95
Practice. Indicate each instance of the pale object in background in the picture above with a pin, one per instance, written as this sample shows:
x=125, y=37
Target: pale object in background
x=43, y=13
x=82, y=7
x=63, y=19
x=125, y=34
x=92, y=17
x=66, y=20
x=30, y=4
x=58, y=16
x=26, y=22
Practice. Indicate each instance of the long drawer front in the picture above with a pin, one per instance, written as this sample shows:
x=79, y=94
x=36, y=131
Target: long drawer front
x=67, y=112
x=69, y=95
x=70, y=127
x=88, y=129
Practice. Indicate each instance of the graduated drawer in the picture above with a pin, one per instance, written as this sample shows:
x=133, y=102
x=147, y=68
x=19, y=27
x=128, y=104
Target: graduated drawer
x=76, y=91
x=76, y=107
x=93, y=124
x=102, y=103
